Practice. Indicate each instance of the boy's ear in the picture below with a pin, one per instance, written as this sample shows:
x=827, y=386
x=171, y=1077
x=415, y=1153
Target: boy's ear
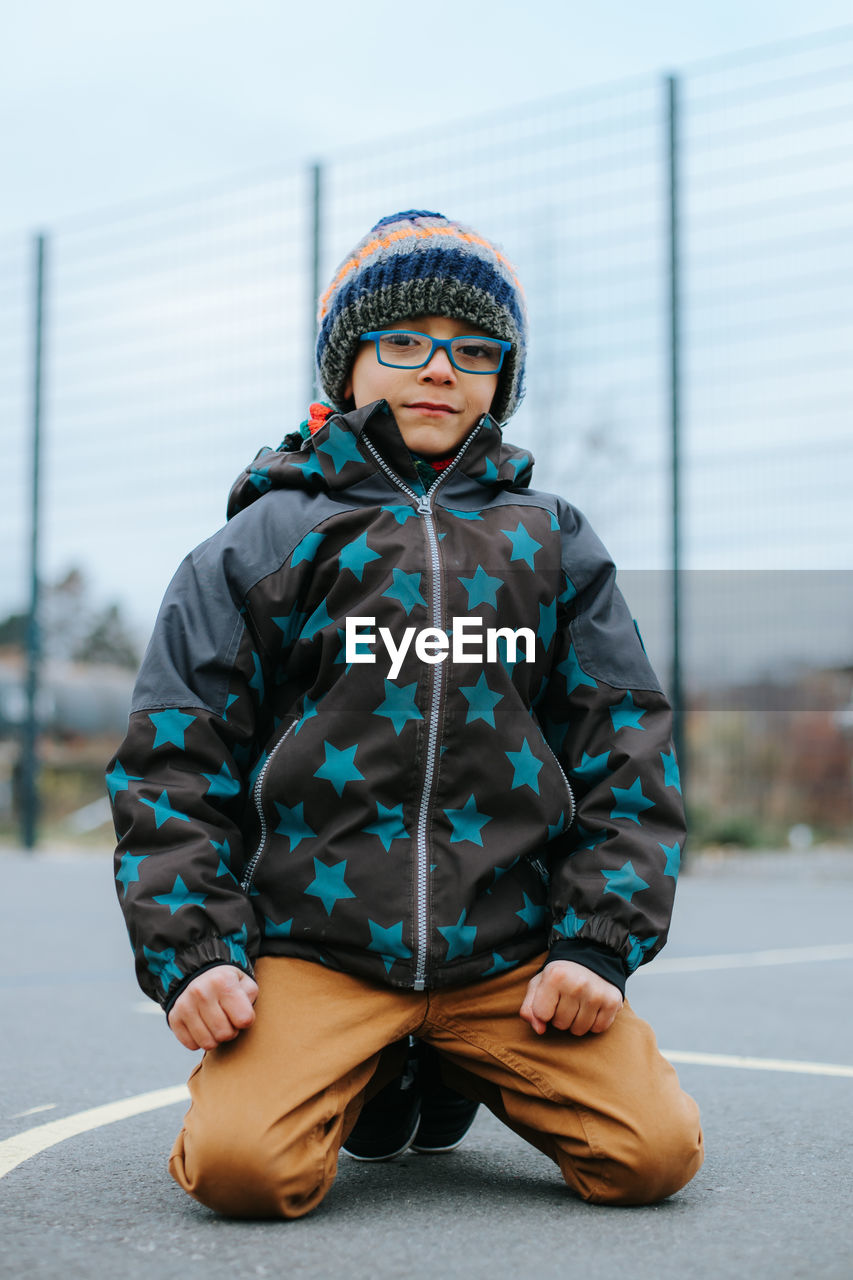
x=348, y=388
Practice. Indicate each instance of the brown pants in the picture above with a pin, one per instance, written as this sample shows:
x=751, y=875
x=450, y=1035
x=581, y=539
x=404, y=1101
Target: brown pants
x=270, y=1109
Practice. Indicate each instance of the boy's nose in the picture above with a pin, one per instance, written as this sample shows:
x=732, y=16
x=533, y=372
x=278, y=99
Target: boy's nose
x=439, y=368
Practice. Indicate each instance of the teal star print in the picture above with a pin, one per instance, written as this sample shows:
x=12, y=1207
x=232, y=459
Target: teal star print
x=532, y=914
x=309, y=465
x=224, y=867
x=519, y=464
x=574, y=675
x=406, y=587
x=592, y=769
x=329, y=885
x=290, y=625
x=170, y=727
x=118, y=780
x=339, y=767
x=257, y=680
x=318, y=620
x=163, y=810
x=401, y=514
x=179, y=896
x=128, y=872
x=356, y=555
x=626, y=715
x=388, y=942
x=570, y=925
x=161, y=965
x=523, y=546
x=624, y=881
x=499, y=965
x=340, y=447
x=388, y=825
x=292, y=824
x=481, y=701
x=671, y=774
x=489, y=474
x=308, y=548
x=309, y=711
x=236, y=943
x=638, y=950
x=547, y=622
x=459, y=937
x=630, y=801
x=526, y=768
x=673, y=859
x=273, y=930
x=222, y=785
x=467, y=823
x=260, y=478
x=482, y=589
x=399, y=705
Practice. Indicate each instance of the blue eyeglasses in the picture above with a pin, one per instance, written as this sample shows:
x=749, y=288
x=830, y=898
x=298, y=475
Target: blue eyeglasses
x=407, y=349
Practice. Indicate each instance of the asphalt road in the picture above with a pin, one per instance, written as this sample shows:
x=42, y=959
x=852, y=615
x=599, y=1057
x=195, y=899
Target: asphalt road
x=773, y=1199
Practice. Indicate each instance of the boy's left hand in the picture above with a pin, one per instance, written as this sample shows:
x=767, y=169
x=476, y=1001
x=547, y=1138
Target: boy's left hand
x=570, y=997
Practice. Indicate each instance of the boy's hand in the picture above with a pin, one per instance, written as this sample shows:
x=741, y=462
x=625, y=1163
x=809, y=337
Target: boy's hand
x=570, y=997
x=215, y=1007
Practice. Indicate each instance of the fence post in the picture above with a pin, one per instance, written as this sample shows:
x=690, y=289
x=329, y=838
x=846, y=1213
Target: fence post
x=674, y=309
x=316, y=194
x=29, y=747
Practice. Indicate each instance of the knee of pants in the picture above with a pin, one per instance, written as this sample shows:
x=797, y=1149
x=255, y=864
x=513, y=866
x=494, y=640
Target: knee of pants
x=650, y=1166
x=256, y=1175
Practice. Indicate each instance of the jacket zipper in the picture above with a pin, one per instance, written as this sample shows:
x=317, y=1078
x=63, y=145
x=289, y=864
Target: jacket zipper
x=572, y=806
x=424, y=507
x=246, y=882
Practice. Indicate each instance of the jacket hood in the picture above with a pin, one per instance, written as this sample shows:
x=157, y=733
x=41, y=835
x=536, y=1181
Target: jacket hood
x=337, y=457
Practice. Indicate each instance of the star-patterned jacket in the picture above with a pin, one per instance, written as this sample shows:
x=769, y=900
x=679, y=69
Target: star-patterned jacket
x=274, y=795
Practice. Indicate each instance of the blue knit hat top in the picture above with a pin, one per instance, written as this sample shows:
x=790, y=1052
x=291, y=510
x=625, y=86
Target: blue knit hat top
x=419, y=263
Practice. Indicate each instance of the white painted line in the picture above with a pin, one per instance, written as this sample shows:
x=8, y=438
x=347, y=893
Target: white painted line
x=31, y=1111
x=13, y=1151
x=758, y=1064
x=748, y=959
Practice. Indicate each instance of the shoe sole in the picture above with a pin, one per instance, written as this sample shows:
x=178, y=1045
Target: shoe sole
x=391, y=1155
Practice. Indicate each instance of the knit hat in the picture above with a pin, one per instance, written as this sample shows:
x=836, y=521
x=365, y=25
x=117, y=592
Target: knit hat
x=419, y=263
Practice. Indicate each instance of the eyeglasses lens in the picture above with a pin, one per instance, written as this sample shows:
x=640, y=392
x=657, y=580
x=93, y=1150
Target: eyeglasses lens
x=410, y=350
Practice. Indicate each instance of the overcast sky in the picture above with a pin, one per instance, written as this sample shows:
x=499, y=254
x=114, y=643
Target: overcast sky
x=107, y=103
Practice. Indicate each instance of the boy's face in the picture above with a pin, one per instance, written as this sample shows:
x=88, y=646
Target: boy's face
x=434, y=407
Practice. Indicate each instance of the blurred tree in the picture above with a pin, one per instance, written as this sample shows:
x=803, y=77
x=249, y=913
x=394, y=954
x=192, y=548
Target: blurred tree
x=74, y=629
x=108, y=641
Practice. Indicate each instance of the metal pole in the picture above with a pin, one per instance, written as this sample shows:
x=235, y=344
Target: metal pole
x=315, y=179
x=29, y=746
x=676, y=684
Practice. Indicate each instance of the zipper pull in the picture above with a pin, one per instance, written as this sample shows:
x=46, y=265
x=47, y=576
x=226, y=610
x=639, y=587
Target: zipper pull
x=424, y=508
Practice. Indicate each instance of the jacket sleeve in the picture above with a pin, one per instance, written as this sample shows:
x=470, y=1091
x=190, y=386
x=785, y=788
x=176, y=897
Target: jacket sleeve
x=613, y=874
x=180, y=781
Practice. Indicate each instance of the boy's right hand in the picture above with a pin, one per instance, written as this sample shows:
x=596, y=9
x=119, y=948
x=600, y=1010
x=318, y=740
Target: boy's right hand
x=215, y=1007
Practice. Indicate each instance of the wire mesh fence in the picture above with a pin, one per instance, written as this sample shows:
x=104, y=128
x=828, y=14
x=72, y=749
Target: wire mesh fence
x=178, y=339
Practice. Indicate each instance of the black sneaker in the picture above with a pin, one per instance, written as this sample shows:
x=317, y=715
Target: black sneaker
x=446, y=1116
x=389, y=1121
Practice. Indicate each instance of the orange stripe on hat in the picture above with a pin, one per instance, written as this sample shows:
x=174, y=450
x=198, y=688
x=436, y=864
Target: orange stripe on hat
x=421, y=233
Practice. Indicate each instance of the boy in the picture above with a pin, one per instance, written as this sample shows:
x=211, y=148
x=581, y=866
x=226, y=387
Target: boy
x=397, y=766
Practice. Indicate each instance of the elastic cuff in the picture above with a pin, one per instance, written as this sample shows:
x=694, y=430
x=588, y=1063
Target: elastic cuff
x=601, y=960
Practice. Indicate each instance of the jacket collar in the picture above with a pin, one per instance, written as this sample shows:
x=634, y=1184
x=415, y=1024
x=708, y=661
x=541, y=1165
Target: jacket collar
x=339, y=455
